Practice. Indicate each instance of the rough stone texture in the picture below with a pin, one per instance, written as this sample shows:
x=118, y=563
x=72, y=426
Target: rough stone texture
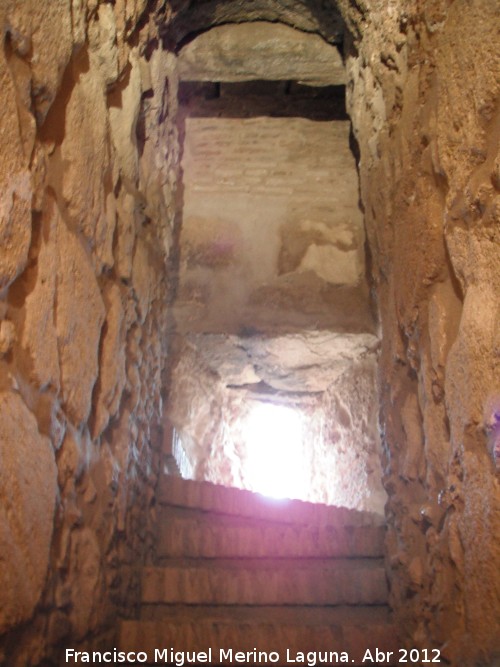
x=88, y=159
x=423, y=96
x=39, y=335
x=33, y=32
x=16, y=185
x=305, y=362
x=196, y=409
x=78, y=329
x=307, y=15
x=27, y=502
x=112, y=377
x=260, y=51
x=7, y=337
x=218, y=381
x=85, y=115
x=347, y=457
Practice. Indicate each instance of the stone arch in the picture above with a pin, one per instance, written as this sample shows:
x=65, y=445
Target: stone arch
x=312, y=16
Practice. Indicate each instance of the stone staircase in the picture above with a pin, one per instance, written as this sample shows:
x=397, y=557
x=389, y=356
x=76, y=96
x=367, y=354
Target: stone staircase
x=242, y=573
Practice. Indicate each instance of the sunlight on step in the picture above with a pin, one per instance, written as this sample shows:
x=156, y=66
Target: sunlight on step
x=275, y=464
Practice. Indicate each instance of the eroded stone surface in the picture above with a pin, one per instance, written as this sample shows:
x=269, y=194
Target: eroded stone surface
x=81, y=311
x=327, y=379
x=88, y=588
x=422, y=91
x=112, y=365
x=15, y=215
x=247, y=51
x=78, y=330
x=85, y=116
x=428, y=165
x=32, y=31
x=28, y=497
x=315, y=16
x=307, y=362
x=39, y=337
x=123, y=118
x=7, y=336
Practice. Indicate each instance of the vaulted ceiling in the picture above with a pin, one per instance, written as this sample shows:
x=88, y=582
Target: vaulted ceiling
x=194, y=16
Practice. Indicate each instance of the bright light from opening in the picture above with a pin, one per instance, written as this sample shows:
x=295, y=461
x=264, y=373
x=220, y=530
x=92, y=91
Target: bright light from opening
x=275, y=464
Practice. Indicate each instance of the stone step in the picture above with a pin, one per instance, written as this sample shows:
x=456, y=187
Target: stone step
x=242, y=573
x=349, y=637
x=303, y=615
x=266, y=581
x=194, y=533
x=208, y=497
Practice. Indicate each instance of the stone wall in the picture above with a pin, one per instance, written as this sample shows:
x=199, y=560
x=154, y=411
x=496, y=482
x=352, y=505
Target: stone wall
x=87, y=156
x=214, y=411
x=423, y=97
x=275, y=238
x=86, y=153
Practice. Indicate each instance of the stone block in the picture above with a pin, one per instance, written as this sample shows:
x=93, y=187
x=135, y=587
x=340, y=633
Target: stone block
x=260, y=51
x=27, y=503
x=38, y=336
x=15, y=186
x=85, y=151
x=79, y=319
x=112, y=376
